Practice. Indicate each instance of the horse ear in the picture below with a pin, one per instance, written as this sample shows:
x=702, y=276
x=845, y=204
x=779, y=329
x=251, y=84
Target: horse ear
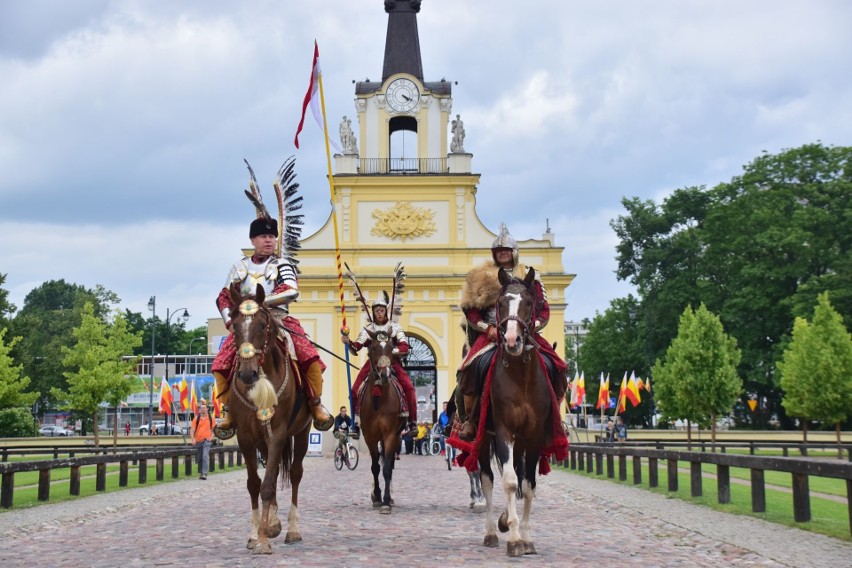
x=260, y=294
x=235, y=293
x=530, y=277
x=504, y=277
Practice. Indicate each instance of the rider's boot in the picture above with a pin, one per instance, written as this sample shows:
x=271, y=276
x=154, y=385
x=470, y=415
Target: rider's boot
x=468, y=429
x=224, y=429
x=323, y=419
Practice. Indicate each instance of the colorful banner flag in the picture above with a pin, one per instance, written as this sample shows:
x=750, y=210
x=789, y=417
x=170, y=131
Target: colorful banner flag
x=312, y=98
x=632, y=392
x=165, y=398
x=603, y=393
x=581, y=390
x=193, y=402
x=184, y=394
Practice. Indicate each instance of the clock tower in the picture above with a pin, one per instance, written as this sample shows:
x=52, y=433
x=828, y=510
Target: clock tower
x=402, y=192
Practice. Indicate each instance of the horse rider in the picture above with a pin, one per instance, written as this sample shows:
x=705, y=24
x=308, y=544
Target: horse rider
x=381, y=323
x=278, y=278
x=479, y=296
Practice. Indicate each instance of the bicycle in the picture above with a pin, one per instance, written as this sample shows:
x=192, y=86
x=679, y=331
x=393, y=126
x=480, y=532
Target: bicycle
x=348, y=457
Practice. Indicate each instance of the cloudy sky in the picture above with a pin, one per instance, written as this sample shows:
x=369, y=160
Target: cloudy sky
x=123, y=124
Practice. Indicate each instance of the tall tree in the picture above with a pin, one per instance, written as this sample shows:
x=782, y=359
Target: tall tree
x=700, y=370
x=99, y=374
x=12, y=382
x=816, y=369
x=44, y=324
x=6, y=307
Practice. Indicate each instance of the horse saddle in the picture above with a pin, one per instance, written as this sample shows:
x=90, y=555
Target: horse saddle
x=403, y=404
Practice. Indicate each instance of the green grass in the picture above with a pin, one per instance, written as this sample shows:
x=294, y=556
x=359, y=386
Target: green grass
x=26, y=495
x=827, y=517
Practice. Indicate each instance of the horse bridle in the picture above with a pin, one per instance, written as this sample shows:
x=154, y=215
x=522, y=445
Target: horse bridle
x=381, y=336
x=502, y=321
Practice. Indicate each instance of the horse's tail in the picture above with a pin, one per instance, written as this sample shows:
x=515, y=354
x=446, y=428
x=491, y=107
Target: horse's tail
x=286, y=462
x=263, y=393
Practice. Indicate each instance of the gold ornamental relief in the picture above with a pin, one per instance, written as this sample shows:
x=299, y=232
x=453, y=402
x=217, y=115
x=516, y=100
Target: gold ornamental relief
x=403, y=221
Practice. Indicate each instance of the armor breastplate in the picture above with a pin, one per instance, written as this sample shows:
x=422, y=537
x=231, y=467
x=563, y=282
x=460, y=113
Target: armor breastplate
x=249, y=274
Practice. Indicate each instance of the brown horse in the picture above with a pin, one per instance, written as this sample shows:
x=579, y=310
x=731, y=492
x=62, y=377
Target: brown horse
x=271, y=416
x=520, y=405
x=381, y=422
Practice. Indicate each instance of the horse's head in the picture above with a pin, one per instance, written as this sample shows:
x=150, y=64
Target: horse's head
x=515, y=311
x=380, y=353
x=254, y=333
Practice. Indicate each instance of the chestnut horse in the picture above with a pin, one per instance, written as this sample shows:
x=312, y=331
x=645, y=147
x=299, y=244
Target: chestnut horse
x=381, y=422
x=520, y=407
x=269, y=411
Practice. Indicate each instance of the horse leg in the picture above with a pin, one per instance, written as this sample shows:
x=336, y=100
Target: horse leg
x=528, y=488
x=267, y=495
x=486, y=475
x=375, y=468
x=389, y=460
x=509, y=519
x=297, y=470
x=253, y=487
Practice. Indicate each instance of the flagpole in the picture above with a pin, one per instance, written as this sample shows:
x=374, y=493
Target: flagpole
x=344, y=329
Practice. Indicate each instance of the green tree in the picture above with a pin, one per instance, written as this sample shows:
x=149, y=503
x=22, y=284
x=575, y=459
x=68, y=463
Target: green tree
x=816, y=369
x=6, y=308
x=44, y=324
x=15, y=417
x=99, y=373
x=700, y=370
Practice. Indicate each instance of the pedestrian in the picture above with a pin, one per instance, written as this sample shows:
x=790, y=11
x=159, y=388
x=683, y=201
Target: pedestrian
x=610, y=431
x=620, y=430
x=342, y=424
x=127, y=428
x=202, y=434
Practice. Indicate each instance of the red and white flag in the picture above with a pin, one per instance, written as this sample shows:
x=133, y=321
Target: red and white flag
x=312, y=97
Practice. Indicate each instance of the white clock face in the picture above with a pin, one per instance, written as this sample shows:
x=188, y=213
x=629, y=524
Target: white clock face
x=402, y=95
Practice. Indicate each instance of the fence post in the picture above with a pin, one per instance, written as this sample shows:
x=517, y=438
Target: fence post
x=175, y=467
x=653, y=479
x=610, y=466
x=43, y=484
x=622, y=467
x=801, y=498
x=572, y=459
x=637, y=470
x=581, y=460
x=7, y=490
x=589, y=462
x=75, y=480
x=599, y=464
x=187, y=465
x=758, y=491
x=143, y=471
x=695, y=479
x=723, y=483
x=100, y=477
x=160, y=468
x=122, y=473
x=672, y=474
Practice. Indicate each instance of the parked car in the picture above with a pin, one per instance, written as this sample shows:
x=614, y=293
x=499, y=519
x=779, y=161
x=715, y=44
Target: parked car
x=160, y=428
x=53, y=430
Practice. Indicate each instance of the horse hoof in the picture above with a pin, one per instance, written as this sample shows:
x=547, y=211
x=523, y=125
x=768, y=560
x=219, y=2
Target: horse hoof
x=392, y=503
x=293, y=537
x=262, y=548
x=385, y=510
x=503, y=522
x=529, y=548
x=490, y=541
x=515, y=549
x=251, y=542
x=274, y=530
x=479, y=508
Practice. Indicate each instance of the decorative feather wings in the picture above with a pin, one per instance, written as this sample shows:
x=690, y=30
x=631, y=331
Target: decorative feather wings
x=289, y=224
x=358, y=294
x=395, y=309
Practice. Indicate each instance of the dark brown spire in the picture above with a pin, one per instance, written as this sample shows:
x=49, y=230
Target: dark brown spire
x=402, y=44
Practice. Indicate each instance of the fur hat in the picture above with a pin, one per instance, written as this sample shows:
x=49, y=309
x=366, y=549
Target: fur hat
x=263, y=226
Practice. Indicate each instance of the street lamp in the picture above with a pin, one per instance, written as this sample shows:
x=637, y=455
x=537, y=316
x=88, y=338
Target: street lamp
x=169, y=315
x=152, y=305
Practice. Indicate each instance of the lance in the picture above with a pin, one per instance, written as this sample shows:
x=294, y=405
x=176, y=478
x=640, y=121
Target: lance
x=318, y=346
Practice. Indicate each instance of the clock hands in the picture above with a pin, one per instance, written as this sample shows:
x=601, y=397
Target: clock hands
x=405, y=97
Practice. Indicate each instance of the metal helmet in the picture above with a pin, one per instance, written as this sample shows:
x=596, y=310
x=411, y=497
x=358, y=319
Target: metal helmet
x=382, y=300
x=505, y=241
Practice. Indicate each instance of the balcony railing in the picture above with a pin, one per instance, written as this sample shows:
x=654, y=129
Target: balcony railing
x=398, y=166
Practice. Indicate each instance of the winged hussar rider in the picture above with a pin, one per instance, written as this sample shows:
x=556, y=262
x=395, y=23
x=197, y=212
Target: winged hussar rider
x=273, y=266
x=479, y=296
x=383, y=318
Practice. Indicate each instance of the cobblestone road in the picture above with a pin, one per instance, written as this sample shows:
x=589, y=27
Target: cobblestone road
x=576, y=521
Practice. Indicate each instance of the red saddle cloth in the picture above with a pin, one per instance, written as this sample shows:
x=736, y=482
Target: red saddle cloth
x=558, y=447
x=403, y=404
